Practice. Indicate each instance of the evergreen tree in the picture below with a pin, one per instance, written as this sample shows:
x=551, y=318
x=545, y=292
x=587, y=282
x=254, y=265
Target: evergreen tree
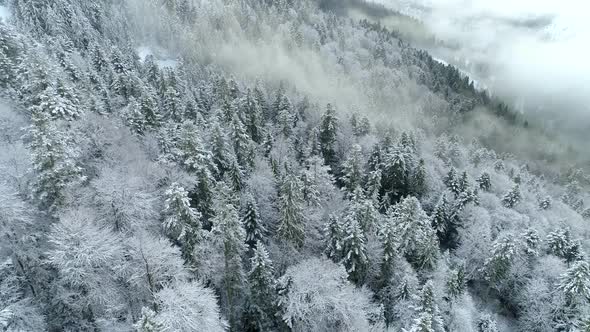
x=242, y=143
x=484, y=181
x=229, y=231
x=262, y=308
x=560, y=244
x=575, y=283
x=220, y=149
x=352, y=169
x=572, y=196
x=254, y=117
x=181, y=222
x=513, y=197
x=148, y=322
x=291, y=223
x=334, y=238
x=53, y=161
x=413, y=228
x=149, y=109
x=486, y=323
x=285, y=117
x=419, y=179
x=389, y=242
x=362, y=210
x=452, y=182
x=545, y=203
x=354, y=250
x=252, y=223
x=327, y=135
x=172, y=104
x=456, y=283
x=503, y=254
x=134, y=118
x=429, y=318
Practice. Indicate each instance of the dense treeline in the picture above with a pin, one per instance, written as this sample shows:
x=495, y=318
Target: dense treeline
x=141, y=193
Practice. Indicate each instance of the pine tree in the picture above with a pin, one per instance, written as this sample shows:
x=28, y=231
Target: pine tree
x=513, y=197
x=53, y=162
x=252, y=223
x=254, y=117
x=545, y=203
x=181, y=222
x=354, y=250
x=486, y=323
x=235, y=174
x=429, y=319
x=530, y=242
x=572, y=196
x=419, y=179
x=484, y=181
x=291, y=224
x=561, y=244
x=452, y=182
x=417, y=238
x=228, y=229
x=285, y=117
x=374, y=186
x=328, y=131
x=262, y=308
x=389, y=242
x=334, y=238
x=148, y=322
x=503, y=254
x=242, y=143
x=352, y=169
x=362, y=210
x=220, y=149
x=456, y=283
x=172, y=104
x=133, y=117
x=463, y=182
x=149, y=109
x=575, y=283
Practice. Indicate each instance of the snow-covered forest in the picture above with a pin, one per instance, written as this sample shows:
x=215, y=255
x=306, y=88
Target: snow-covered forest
x=270, y=165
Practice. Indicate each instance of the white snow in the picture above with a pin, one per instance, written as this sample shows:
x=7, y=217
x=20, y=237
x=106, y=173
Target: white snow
x=4, y=14
x=161, y=57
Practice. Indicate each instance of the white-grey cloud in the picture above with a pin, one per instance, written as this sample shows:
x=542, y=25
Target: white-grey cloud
x=535, y=50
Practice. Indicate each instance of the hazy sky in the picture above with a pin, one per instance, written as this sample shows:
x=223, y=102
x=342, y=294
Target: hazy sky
x=537, y=49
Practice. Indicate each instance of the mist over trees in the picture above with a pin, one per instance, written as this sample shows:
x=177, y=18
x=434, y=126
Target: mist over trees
x=252, y=165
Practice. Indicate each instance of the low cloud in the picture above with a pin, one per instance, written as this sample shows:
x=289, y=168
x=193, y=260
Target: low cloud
x=533, y=51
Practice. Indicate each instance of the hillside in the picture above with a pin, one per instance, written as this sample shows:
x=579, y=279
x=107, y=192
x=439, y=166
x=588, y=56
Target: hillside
x=256, y=165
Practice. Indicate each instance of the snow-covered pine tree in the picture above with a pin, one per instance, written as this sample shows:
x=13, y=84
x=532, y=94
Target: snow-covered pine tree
x=262, y=309
x=251, y=220
x=352, y=169
x=148, y=322
x=53, y=160
x=354, y=251
x=181, y=222
x=327, y=135
x=561, y=244
x=486, y=323
x=242, y=144
x=513, y=197
x=484, y=182
x=452, y=182
x=334, y=235
x=428, y=318
x=232, y=238
x=291, y=223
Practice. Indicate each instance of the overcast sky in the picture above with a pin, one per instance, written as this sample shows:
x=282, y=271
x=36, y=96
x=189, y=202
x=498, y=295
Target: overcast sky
x=534, y=48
